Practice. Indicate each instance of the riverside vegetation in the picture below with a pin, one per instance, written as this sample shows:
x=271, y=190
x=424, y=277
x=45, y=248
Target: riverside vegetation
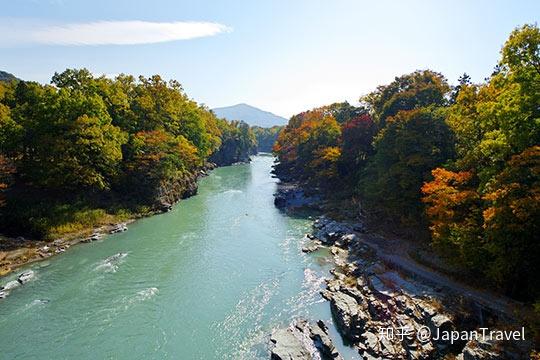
x=458, y=167
x=266, y=137
x=86, y=150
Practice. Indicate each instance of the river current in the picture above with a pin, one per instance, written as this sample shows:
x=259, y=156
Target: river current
x=208, y=280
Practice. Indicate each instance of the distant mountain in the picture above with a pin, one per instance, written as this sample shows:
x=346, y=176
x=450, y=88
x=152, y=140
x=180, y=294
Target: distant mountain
x=5, y=76
x=250, y=115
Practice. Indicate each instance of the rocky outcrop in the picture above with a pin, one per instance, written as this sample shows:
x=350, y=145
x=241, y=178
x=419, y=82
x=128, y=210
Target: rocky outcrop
x=484, y=349
x=330, y=231
x=386, y=315
x=172, y=190
x=312, y=246
x=25, y=277
x=232, y=152
x=302, y=341
x=289, y=196
x=480, y=350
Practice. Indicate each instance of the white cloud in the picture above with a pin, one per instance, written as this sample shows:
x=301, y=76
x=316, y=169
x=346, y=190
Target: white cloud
x=111, y=32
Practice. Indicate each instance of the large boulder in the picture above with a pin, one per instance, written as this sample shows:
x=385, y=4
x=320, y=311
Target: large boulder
x=350, y=316
x=290, y=196
x=288, y=345
x=330, y=231
x=321, y=340
x=302, y=340
x=25, y=277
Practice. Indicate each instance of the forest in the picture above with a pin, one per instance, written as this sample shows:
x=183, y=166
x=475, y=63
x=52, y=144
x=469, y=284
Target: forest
x=266, y=137
x=86, y=150
x=461, y=163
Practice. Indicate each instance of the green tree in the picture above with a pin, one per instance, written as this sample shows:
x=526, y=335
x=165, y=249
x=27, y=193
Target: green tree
x=511, y=225
x=238, y=142
x=407, y=92
x=266, y=137
x=67, y=138
x=411, y=144
x=497, y=130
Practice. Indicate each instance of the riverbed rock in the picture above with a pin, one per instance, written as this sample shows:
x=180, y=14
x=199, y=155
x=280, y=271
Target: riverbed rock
x=10, y=285
x=480, y=350
x=321, y=340
x=347, y=240
x=303, y=341
x=116, y=257
x=367, y=297
x=311, y=246
x=165, y=206
x=287, y=345
x=25, y=277
x=331, y=232
x=350, y=317
x=442, y=322
x=16, y=254
x=118, y=228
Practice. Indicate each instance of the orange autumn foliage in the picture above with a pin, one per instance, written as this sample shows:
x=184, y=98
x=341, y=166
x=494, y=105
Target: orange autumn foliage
x=452, y=206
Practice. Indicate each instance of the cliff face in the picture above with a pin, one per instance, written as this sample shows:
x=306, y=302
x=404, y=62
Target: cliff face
x=162, y=193
x=171, y=191
x=230, y=153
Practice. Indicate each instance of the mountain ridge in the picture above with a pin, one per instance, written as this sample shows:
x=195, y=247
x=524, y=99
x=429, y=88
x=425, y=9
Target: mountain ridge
x=5, y=76
x=250, y=115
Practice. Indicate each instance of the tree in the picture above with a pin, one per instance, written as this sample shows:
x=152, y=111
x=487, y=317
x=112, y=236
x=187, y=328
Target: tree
x=343, y=112
x=407, y=92
x=153, y=157
x=463, y=81
x=357, y=137
x=411, y=144
x=486, y=211
x=266, y=137
x=7, y=170
x=521, y=52
x=319, y=150
x=87, y=141
x=501, y=118
x=237, y=143
x=67, y=139
x=454, y=209
x=511, y=224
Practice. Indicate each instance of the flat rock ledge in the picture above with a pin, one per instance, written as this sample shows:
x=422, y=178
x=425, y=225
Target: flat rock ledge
x=302, y=340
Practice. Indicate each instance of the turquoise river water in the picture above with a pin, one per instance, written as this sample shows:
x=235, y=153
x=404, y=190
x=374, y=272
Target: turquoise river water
x=208, y=280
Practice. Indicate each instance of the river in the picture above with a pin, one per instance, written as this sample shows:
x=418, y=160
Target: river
x=208, y=280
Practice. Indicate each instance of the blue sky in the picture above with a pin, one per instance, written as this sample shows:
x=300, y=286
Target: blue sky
x=284, y=56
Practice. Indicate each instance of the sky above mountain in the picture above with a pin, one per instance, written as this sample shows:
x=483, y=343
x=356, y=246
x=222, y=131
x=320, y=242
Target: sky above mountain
x=279, y=55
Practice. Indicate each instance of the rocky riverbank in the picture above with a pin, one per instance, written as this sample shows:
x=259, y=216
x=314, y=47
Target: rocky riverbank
x=17, y=252
x=388, y=311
